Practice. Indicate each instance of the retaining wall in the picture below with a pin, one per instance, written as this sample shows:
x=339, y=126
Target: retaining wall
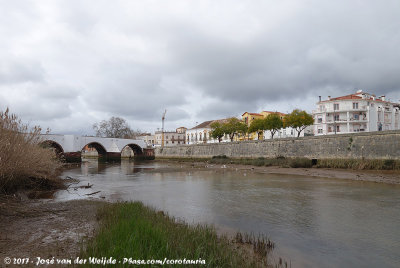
x=371, y=145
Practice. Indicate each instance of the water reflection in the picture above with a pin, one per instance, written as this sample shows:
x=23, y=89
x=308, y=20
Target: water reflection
x=315, y=222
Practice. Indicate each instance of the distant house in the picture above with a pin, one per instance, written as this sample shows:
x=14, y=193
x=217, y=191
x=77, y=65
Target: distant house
x=201, y=133
x=171, y=138
x=358, y=112
x=248, y=118
x=148, y=138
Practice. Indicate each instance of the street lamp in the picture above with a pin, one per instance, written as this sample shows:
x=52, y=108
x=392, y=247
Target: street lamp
x=334, y=117
x=196, y=131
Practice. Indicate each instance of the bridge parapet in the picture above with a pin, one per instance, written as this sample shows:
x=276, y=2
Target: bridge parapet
x=72, y=145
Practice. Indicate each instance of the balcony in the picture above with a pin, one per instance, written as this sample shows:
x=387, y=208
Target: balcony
x=344, y=120
x=362, y=108
x=331, y=131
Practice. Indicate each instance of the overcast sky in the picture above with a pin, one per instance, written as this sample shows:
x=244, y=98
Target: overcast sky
x=68, y=64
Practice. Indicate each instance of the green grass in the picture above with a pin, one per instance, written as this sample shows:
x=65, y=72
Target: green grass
x=135, y=231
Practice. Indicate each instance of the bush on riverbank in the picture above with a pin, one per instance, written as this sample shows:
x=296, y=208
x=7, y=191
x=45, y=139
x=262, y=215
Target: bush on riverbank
x=136, y=231
x=301, y=162
x=358, y=164
x=23, y=163
x=261, y=161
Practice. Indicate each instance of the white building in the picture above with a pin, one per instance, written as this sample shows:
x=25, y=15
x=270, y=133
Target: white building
x=201, y=133
x=148, y=139
x=359, y=112
x=284, y=133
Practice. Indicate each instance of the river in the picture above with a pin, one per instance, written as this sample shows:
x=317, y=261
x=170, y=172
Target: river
x=314, y=222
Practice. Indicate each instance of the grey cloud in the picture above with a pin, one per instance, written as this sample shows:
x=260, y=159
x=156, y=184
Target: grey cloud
x=135, y=91
x=20, y=70
x=300, y=56
x=83, y=61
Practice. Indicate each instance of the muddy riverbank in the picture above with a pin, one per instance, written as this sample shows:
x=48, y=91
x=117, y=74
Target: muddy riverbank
x=378, y=176
x=44, y=228
x=34, y=231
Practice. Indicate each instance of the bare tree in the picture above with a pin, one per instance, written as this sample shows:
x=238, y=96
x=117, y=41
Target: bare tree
x=115, y=127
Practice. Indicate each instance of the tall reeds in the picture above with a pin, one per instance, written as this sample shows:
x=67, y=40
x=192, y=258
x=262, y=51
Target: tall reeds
x=23, y=162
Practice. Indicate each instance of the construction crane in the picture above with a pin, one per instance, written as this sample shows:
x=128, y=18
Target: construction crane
x=162, y=129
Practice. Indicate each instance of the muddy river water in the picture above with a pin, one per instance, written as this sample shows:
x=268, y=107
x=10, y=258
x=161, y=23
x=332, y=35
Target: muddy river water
x=315, y=222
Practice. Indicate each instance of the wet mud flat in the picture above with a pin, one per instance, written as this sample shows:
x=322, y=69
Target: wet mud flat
x=45, y=228
x=377, y=176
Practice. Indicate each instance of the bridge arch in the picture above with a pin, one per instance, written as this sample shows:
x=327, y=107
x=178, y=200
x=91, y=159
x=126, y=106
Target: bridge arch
x=59, y=150
x=101, y=150
x=137, y=150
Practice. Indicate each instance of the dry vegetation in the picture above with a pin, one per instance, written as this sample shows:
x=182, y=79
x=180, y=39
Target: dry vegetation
x=23, y=162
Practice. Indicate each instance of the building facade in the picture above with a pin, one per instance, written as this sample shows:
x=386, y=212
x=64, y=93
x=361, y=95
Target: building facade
x=358, y=112
x=248, y=118
x=148, y=139
x=171, y=138
x=287, y=132
x=201, y=133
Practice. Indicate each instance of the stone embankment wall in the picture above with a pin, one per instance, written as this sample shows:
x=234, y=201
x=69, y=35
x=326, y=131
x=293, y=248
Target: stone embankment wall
x=372, y=145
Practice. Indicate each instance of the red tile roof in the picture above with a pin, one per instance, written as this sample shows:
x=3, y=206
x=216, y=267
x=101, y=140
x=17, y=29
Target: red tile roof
x=347, y=97
x=252, y=113
x=356, y=96
x=274, y=112
x=207, y=124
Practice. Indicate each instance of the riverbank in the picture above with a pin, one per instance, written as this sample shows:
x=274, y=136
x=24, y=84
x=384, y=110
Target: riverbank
x=377, y=176
x=91, y=228
x=43, y=228
x=132, y=233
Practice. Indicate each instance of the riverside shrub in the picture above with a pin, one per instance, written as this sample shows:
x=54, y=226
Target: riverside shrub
x=23, y=162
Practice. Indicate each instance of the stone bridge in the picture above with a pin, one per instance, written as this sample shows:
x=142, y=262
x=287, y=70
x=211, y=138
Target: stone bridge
x=71, y=146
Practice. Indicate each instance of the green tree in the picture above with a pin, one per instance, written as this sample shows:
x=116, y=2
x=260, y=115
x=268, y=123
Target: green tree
x=298, y=120
x=257, y=125
x=273, y=123
x=233, y=127
x=217, y=131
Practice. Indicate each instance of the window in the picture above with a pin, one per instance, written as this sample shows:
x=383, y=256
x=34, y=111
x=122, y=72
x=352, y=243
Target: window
x=173, y=141
x=355, y=105
x=356, y=117
x=336, y=117
x=336, y=106
x=319, y=119
x=320, y=130
x=337, y=128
